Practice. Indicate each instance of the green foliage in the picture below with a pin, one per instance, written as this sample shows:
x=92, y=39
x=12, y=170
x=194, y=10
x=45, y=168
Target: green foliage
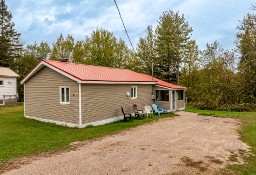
x=172, y=41
x=246, y=41
x=79, y=53
x=146, y=51
x=32, y=54
x=191, y=64
x=214, y=83
x=218, y=84
x=103, y=49
x=10, y=45
x=63, y=48
x=22, y=137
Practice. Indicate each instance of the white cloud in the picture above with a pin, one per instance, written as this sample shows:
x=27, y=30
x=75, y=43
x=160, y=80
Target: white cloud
x=46, y=14
x=45, y=20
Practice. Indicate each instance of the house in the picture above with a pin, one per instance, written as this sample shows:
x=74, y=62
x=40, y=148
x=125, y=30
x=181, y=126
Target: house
x=8, y=86
x=79, y=95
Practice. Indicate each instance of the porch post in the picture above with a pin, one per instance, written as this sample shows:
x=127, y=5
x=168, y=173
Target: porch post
x=170, y=99
x=185, y=99
x=176, y=99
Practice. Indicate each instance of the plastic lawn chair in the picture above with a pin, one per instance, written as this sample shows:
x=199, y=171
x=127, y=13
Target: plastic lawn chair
x=156, y=110
x=159, y=107
x=148, y=110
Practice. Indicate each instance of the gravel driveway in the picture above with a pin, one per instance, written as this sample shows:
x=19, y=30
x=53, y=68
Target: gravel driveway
x=184, y=144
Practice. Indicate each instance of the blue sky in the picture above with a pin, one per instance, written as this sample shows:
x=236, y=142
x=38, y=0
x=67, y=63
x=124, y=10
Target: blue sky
x=45, y=20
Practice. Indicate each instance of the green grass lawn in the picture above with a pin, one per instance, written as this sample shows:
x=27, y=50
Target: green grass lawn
x=22, y=137
x=248, y=135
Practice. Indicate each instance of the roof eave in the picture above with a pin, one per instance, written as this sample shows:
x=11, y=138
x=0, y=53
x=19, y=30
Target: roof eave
x=116, y=82
x=170, y=88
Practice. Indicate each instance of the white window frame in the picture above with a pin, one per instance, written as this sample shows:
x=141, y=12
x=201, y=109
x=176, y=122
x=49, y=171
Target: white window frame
x=65, y=92
x=134, y=95
x=2, y=84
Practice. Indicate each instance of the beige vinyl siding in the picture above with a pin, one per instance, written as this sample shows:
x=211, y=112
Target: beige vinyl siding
x=180, y=104
x=165, y=105
x=102, y=101
x=42, y=97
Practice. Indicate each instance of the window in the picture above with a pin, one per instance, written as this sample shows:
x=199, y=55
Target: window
x=1, y=83
x=134, y=92
x=64, y=95
x=180, y=94
x=162, y=95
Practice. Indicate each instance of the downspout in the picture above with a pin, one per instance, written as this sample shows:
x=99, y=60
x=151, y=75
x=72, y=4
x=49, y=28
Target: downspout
x=80, y=105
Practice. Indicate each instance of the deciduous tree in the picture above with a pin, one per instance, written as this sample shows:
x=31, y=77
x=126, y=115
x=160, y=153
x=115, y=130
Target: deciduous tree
x=146, y=51
x=246, y=42
x=63, y=48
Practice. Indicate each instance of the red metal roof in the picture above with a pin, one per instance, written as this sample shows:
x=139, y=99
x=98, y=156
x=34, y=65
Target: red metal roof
x=98, y=73
x=168, y=85
x=165, y=84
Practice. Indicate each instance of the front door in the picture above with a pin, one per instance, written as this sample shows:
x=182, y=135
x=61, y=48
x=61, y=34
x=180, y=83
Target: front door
x=174, y=100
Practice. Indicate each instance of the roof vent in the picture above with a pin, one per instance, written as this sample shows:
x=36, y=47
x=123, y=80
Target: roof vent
x=64, y=60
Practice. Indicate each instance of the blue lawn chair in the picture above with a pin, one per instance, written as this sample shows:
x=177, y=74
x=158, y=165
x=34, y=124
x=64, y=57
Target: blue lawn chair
x=156, y=110
x=159, y=107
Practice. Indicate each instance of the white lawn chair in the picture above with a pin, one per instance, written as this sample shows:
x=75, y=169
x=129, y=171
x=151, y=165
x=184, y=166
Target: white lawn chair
x=148, y=110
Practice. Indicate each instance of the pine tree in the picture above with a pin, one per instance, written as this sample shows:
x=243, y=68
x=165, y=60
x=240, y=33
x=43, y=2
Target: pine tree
x=10, y=45
x=172, y=38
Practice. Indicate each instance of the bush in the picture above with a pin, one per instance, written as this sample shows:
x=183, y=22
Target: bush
x=242, y=107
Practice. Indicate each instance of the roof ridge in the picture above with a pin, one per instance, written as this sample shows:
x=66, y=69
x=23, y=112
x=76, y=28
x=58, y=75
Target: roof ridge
x=86, y=65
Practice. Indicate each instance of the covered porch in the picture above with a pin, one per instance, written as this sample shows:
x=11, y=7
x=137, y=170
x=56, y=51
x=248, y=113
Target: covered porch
x=170, y=98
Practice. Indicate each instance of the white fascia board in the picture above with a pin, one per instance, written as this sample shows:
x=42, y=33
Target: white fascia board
x=112, y=82
x=170, y=88
x=163, y=87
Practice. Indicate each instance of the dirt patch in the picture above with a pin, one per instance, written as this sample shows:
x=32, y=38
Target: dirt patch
x=195, y=164
x=185, y=144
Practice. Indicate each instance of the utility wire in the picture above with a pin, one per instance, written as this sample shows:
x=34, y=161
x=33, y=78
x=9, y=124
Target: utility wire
x=124, y=25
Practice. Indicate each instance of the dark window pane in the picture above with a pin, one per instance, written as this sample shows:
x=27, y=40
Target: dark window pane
x=132, y=92
x=62, y=95
x=162, y=95
x=1, y=83
x=67, y=94
x=180, y=94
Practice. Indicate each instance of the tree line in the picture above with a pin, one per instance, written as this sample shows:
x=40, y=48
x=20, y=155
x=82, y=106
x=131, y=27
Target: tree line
x=215, y=78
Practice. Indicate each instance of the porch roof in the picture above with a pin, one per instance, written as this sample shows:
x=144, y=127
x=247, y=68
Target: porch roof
x=165, y=84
